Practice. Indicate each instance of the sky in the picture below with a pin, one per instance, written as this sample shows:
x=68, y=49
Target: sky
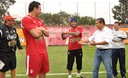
x=92, y=8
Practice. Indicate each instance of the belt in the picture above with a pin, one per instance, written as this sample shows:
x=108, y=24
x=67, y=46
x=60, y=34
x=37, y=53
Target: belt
x=102, y=49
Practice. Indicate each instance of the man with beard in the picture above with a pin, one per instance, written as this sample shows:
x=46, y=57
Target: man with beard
x=74, y=49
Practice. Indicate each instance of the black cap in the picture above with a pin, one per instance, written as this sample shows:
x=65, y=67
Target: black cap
x=73, y=19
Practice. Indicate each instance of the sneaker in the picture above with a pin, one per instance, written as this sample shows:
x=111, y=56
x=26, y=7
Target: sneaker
x=79, y=76
x=115, y=77
x=69, y=76
x=123, y=77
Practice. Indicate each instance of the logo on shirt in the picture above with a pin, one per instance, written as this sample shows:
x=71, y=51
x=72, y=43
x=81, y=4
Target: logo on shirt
x=74, y=40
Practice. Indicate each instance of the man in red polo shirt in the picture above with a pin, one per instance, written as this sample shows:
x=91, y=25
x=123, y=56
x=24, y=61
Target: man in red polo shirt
x=34, y=32
x=74, y=49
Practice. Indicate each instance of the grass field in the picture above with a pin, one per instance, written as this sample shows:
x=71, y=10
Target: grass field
x=57, y=58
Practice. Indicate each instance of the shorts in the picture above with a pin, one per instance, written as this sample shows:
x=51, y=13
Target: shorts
x=37, y=64
x=9, y=61
x=72, y=56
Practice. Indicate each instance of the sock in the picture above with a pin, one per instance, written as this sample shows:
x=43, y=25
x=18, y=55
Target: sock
x=78, y=74
x=70, y=76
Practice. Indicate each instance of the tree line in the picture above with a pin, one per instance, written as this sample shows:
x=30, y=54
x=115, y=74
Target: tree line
x=63, y=18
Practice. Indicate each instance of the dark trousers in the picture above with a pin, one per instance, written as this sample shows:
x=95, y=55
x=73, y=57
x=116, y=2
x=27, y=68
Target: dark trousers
x=118, y=54
x=72, y=55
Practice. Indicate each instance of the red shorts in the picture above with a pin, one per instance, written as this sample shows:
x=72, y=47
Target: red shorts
x=37, y=64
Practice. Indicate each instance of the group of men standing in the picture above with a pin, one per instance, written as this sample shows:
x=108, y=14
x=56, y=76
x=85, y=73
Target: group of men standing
x=109, y=46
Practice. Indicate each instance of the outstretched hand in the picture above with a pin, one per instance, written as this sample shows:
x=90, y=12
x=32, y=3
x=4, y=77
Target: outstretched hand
x=81, y=42
x=93, y=43
x=21, y=51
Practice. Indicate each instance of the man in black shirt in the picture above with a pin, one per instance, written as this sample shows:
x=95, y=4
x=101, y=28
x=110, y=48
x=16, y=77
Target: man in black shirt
x=9, y=40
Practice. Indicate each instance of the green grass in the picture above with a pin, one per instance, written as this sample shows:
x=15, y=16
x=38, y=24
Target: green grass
x=57, y=60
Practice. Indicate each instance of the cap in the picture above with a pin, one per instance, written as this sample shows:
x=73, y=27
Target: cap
x=7, y=17
x=73, y=19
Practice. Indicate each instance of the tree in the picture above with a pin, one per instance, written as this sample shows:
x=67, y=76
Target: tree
x=121, y=11
x=47, y=18
x=63, y=18
x=86, y=20
x=4, y=6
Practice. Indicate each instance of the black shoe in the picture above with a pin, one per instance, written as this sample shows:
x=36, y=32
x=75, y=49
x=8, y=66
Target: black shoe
x=124, y=77
x=115, y=77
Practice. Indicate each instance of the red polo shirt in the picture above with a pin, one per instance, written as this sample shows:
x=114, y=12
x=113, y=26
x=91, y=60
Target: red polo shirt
x=73, y=40
x=33, y=46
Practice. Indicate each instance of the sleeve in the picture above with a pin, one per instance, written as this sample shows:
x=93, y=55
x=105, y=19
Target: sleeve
x=0, y=34
x=18, y=41
x=27, y=23
x=115, y=38
x=122, y=35
x=92, y=37
x=80, y=29
x=43, y=25
x=108, y=36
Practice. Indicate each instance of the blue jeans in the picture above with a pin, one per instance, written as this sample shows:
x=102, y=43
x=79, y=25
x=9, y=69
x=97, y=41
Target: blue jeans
x=105, y=56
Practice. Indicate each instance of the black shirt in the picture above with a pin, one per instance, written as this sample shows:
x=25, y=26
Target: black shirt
x=9, y=39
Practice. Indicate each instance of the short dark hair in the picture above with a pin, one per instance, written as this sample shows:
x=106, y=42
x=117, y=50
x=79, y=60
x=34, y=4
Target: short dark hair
x=32, y=5
x=101, y=20
x=117, y=22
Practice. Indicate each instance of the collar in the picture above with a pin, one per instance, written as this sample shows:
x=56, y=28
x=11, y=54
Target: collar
x=103, y=28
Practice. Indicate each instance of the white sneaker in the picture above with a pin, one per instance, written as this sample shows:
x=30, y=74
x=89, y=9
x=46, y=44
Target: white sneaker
x=79, y=76
x=69, y=76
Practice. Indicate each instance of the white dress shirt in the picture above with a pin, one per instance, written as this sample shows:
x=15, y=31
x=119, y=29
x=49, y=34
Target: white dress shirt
x=103, y=35
x=118, y=39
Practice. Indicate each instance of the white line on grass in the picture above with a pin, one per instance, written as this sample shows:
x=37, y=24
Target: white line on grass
x=62, y=73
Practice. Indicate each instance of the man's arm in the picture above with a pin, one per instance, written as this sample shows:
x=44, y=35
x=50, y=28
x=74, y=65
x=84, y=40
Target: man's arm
x=44, y=31
x=73, y=33
x=123, y=35
x=82, y=41
x=0, y=34
x=98, y=43
x=36, y=32
x=64, y=36
x=19, y=45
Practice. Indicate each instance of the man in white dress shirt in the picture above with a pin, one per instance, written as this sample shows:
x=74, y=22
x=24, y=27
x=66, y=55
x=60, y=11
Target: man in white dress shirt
x=102, y=39
x=118, y=51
